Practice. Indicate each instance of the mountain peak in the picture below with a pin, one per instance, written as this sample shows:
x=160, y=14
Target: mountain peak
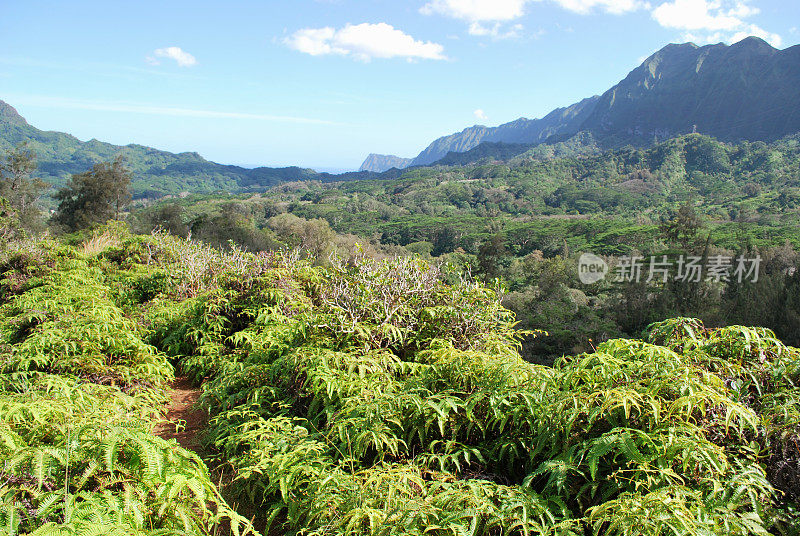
x=382, y=162
x=753, y=42
x=677, y=52
x=732, y=92
x=8, y=114
x=741, y=91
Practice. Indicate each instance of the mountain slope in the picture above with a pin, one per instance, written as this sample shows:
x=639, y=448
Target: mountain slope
x=561, y=121
x=745, y=91
x=156, y=173
x=383, y=162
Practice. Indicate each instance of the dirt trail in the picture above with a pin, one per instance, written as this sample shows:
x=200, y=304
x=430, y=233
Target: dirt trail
x=182, y=397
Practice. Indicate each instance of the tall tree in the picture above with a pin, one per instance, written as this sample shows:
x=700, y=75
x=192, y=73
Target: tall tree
x=94, y=196
x=683, y=226
x=19, y=189
x=9, y=223
x=489, y=255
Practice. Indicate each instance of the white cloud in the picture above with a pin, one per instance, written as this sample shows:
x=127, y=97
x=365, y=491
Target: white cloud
x=695, y=15
x=488, y=17
x=506, y=10
x=480, y=115
x=702, y=21
x=743, y=10
x=148, y=109
x=616, y=7
x=712, y=21
x=363, y=42
x=183, y=58
x=495, y=31
x=476, y=10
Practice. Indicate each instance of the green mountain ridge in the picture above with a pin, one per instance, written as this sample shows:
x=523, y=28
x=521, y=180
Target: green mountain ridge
x=526, y=131
x=156, y=173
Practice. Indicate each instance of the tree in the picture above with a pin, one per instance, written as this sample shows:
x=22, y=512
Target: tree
x=490, y=254
x=168, y=217
x=18, y=188
x=94, y=196
x=751, y=189
x=9, y=223
x=315, y=235
x=683, y=226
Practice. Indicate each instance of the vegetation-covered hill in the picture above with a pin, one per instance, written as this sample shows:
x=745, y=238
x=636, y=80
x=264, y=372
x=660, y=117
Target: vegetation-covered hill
x=527, y=220
x=367, y=397
x=542, y=201
x=156, y=173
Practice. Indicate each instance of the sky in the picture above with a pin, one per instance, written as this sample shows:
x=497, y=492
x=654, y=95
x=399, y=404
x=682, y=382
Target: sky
x=323, y=83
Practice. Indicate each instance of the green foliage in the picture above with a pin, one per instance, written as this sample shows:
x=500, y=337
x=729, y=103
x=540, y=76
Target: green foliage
x=93, y=197
x=80, y=392
x=9, y=223
x=525, y=221
x=368, y=396
x=19, y=189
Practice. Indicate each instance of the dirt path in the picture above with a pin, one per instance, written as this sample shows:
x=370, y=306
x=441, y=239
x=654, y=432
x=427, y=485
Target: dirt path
x=182, y=396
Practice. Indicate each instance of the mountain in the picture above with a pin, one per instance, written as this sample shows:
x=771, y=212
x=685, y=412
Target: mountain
x=383, y=162
x=579, y=145
x=156, y=173
x=745, y=91
x=10, y=116
x=522, y=131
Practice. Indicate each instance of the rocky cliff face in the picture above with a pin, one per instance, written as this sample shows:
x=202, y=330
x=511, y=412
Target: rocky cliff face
x=382, y=162
x=746, y=91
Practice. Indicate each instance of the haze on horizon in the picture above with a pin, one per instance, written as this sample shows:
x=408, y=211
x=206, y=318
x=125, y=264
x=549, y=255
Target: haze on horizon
x=323, y=83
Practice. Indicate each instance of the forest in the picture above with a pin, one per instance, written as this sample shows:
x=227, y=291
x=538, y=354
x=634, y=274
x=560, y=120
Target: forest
x=414, y=355
x=526, y=221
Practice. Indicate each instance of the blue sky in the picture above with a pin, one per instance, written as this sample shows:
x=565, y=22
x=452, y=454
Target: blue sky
x=322, y=83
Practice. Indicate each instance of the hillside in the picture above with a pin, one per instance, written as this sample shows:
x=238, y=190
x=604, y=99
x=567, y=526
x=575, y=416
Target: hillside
x=755, y=181
x=527, y=220
x=562, y=121
x=745, y=91
x=156, y=173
